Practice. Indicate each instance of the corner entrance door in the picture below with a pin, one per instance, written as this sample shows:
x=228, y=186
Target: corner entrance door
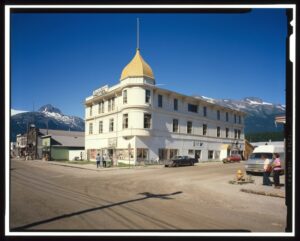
x=197, y=155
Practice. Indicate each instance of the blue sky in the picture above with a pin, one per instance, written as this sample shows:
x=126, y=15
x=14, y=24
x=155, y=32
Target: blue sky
x=61, y=58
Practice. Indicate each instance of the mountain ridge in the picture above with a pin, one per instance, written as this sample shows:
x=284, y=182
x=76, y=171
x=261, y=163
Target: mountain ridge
x=260, y=116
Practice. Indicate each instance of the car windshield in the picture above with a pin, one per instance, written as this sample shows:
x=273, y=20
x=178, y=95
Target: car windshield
x=176, y=157
x=259, y=155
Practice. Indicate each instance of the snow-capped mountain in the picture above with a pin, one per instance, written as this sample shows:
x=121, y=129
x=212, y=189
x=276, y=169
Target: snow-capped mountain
x=46, y=117
x=14, y=112
x=260, y=114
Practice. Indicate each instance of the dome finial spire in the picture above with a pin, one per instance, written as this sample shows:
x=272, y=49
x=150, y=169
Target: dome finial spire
x=138, y=34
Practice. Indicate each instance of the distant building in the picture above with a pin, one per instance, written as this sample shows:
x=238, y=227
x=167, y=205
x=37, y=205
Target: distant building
x=280, y=120
x=261, y=143
x=248, y=150
x=69, y=144
x=63, y=145
x=21, y=144
x=137, y=121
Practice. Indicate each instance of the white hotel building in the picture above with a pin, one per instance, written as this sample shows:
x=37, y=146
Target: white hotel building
x=155, y=123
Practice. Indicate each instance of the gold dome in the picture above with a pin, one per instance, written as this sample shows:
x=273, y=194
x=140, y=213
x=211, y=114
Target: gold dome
x=137, y=68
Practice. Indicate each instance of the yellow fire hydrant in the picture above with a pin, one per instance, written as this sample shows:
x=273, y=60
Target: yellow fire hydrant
x=239, y=175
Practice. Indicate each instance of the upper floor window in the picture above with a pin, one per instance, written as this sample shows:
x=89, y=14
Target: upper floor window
x=204, y=111
x=218, y=131
x=218, y=115
x=111, y=125
x=234, y=118
x=204, y=129
x=227, y=132
x=124, y=96
x=101, y=107
x=192, y=108
x=175, y=125
x=100, y=127
x=239, y=134
x=125, y=121
x=227, y=117
x=147, y=96
x=235, y=133
x=111, y=104
x=91, y=110
x=175, y=104
x=189, y=127
x=240, y=119
x=160, y=101
x=147, y=120
x=91, y=128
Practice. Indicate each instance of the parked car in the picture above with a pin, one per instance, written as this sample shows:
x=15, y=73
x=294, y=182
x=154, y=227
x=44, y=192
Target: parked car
x=232, y=158
x=255, y=164
x=180, y=161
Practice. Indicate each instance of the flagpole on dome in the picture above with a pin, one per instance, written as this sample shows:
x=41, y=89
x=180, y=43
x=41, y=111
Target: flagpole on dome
x=138, y=33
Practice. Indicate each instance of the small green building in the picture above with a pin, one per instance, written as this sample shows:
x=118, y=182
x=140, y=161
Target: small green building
x=63, y=145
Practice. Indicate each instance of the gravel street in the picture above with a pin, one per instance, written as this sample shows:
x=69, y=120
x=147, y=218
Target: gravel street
x=50, y=197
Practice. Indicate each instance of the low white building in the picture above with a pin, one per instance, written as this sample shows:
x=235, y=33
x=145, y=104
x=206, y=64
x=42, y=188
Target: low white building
x=155, y=123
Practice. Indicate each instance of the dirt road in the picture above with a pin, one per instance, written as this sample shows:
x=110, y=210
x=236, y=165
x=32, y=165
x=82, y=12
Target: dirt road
x=51, y=197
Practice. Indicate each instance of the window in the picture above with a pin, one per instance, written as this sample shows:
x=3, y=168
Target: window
x=227, y=132
x=192, y=108
x=100, y=127
x=125, y=97
x=147, y=120
x=210, y=154
x=142, y=154
x=91, y=128
x=175, y=104
x=218, y=131
x=160, y=101
x=101, y=107
x=235, y=133
x=218, y=114
x=234, y=118
x=112, y=103
x=204, y=129
x=239, y=134
x=189, y=127
x=227, y=117
x=175, y=125
x=204, y=111
x=91, y=111
x=109, y=105
x=147, y=96
x=190, y=152
x=240, y=119
x=111, y=125
x=125, y=121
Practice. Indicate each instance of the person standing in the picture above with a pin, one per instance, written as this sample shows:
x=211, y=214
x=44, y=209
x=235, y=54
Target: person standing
x=104, y=161
x=98, y=160
x=276, y=170
x=267, y=171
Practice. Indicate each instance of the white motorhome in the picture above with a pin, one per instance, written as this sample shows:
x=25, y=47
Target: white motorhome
x=255, y=164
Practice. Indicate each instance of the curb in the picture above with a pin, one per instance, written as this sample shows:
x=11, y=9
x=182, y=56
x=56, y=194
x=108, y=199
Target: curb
x=102, y=169
x=263, y=193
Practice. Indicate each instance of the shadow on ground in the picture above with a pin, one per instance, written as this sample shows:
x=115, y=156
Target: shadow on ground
x=146, y=195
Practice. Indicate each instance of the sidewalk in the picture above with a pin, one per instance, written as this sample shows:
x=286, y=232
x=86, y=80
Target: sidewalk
x=93, y=167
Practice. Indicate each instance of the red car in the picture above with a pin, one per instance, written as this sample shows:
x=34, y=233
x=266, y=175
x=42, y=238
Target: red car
x=232, y=158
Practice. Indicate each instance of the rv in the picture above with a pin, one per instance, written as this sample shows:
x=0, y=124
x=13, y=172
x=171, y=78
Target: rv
x=256, y=165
